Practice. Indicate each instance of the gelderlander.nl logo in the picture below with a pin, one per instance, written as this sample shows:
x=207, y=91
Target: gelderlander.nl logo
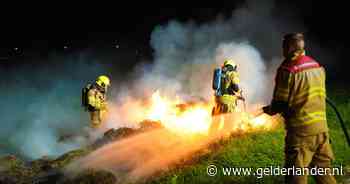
x=213, y=170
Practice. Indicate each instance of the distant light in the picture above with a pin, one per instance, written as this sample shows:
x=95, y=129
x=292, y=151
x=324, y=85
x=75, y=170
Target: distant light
x=65, y=47
x=16, y=48
x=116, y=46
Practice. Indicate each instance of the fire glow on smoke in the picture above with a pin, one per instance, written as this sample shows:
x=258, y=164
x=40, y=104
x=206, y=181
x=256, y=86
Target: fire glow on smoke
x=181, y=118
x=149, y=152
x=192, y=119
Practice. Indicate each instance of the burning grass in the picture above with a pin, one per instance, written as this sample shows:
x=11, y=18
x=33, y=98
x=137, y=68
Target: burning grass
x=191, y=118
x=183, y=132
x=172, y=132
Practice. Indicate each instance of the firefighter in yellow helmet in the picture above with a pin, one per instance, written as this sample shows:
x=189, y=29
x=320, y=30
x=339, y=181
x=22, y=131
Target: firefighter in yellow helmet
x=230, y=92
x=300, y=96
x=94, y=99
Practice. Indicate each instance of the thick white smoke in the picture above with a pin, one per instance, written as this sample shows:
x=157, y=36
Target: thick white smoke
x=252, y=70
x=185, y=55
x=41, y=112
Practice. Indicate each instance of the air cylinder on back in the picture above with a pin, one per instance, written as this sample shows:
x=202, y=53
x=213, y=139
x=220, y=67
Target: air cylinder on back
x=217, y=81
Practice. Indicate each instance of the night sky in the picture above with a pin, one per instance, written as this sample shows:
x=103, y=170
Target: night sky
x=31, y=34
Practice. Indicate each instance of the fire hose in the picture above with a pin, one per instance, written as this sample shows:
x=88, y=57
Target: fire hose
x=342, y=123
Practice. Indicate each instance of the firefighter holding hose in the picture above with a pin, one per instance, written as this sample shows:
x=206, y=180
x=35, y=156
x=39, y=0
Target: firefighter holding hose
x=227, y=92
x=300, y=96
x=94, y=100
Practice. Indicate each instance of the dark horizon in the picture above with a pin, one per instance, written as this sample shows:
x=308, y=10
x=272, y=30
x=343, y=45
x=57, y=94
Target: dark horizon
x=127, y=31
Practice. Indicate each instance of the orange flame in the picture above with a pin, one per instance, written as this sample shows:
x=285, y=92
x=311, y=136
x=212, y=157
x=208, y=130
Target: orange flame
x=195, y=119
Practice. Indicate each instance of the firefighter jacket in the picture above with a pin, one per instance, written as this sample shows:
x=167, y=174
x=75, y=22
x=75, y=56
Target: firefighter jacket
x=227, y=102
x=300, y=95
x=229, y=88
x=96, y=99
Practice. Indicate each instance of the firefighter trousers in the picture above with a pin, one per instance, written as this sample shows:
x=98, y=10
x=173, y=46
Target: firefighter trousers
x=308, y=151
x=95, y=118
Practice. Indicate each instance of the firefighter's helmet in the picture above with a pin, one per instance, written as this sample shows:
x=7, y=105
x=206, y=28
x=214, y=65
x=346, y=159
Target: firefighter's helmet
x=229, y=65
x=103, y=81
x=230, y=62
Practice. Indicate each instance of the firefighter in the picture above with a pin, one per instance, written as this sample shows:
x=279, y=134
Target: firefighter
x=96, y=102
x=300, y=96
x=226, y=102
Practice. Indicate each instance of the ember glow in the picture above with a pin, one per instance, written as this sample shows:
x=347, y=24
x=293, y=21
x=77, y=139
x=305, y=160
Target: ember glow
x=184, y=119
x=187, y=120
x=146, y=153
x=261, y=122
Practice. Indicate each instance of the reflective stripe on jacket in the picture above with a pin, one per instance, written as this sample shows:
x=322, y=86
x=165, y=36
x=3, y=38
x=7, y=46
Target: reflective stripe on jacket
x=229, y=86
x=301, y=84
x=96, y=99
x=228, y=101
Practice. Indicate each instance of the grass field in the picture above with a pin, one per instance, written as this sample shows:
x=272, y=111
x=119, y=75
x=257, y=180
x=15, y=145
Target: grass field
x=261, y=150
x=254, y=150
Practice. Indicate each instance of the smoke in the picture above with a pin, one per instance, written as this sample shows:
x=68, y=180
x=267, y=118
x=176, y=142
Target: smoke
x=141, y=155
x=185, y=55
x=41, y=104
x=252, y=70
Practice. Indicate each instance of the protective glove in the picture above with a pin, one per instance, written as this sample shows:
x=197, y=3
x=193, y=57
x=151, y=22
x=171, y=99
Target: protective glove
x=268, y=110
x=104, y=106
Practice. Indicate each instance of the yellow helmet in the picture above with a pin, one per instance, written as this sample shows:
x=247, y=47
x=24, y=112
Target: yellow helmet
x=103, y=81
x=230, y=62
